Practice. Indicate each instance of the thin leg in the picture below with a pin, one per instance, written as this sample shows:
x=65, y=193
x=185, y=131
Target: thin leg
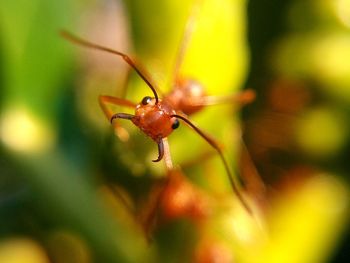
x=252, y=180
x=124, y=86
x=186, y=37
x=167, y=157
x=149, y=218
x=104, y=100
x=203, y=157
x=114, y=190
x=158, y=191
x=241, y=98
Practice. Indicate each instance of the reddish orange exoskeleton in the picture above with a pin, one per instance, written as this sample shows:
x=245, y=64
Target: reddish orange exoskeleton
x=156, y=117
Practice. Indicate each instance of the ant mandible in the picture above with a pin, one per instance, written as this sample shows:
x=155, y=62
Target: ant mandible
x=156, y=117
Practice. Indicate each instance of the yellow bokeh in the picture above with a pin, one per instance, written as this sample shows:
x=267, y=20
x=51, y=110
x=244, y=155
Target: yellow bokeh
x=22, y=131
x=22, y=250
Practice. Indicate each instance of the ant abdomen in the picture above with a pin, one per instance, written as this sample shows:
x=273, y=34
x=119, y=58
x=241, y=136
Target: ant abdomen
x=187, y=96
x=158, y=118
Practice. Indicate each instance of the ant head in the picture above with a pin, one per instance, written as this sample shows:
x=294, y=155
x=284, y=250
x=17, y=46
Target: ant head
x=155, y=119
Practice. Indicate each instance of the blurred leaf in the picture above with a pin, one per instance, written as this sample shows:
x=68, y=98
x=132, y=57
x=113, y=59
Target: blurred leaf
x=18, y=250
x=71, y=199
x=306, y=223
x=321, y=132
x=35, y=63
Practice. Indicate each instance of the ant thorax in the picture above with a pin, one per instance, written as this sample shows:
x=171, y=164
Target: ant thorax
x=154, y=119
x=158, y=118
x=187, y=96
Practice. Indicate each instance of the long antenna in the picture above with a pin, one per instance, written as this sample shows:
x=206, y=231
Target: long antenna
x=217, y=148
x=79, y=41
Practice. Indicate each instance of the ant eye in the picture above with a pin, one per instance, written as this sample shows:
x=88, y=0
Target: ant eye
x=176, y=124
x=146, y=100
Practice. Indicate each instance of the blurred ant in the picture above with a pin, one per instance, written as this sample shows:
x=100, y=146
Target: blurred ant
x=171, y=198
x=156, y=117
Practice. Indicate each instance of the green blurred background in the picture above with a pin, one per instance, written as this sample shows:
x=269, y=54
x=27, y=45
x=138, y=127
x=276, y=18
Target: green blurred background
x=61, y=163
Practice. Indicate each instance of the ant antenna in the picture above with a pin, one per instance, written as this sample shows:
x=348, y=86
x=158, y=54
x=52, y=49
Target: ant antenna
x=127, y=59
x=217, y=148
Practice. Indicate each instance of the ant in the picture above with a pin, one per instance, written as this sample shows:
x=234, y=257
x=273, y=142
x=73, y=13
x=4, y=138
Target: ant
x=156, y=117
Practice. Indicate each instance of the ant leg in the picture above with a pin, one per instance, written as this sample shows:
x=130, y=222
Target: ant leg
x=186, y=37
x=167, y=157
x=124, y=86
x=104, y=100
x=197, y=160
x=150, y=217
x=241, y=98
x=123, y=201
x=252, y=180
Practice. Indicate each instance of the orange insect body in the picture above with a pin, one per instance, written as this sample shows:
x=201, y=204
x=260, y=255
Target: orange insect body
x=155, y=120
x=211, y=251
x=158, y=118
x=182, y=199
x=187, y=96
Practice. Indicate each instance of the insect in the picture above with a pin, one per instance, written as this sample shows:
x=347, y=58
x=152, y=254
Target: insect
x=157, y=117
x=174, y=197
x=181, y=198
